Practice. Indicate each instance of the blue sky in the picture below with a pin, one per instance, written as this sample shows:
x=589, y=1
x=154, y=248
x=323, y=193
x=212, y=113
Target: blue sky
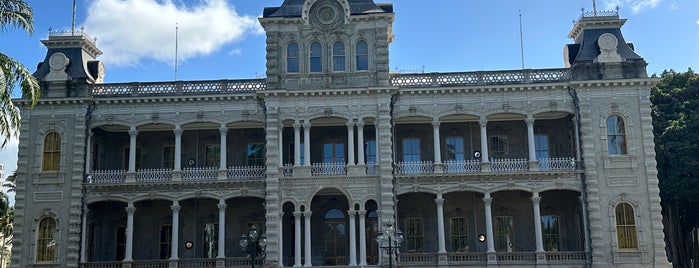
x=221, y=39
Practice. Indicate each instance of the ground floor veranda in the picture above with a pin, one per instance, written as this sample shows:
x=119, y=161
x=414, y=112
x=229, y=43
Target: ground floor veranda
x=455, y=229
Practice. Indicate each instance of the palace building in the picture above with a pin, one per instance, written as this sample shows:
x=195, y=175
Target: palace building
x=332, y=152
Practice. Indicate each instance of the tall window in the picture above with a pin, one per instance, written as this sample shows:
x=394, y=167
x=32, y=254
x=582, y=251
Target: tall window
x=52, y=152
x=256, y=154
x=46, y=240
x=316, y=58
x=165, y=241
x=551, y=232
x=169, y=156
x=210, y=240
x=213, y=155
x=372, y=228
x=616, y=135
x=458, y=228
x=292, y=58
x=411, y=150
x=333, y=152
x=499, y=147
x=362, y=56
x=504, y=234
x=626, y=227
x=339, y=57
x=370, y=156
x=120, y=243
x=414, y=238
x=455, y=148
x=541, y=146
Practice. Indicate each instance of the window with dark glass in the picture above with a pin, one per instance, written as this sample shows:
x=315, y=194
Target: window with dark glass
x=120, y=243
x=316, y=59
x=626, y=227
x=256, y=154
x=165, y=241
x=213, y=155
x=46, y=240
x=292, y=58
x=616, y=135
x=551, y=232
x=210, y=240
x=362, y=55
x=458, y=230
x=52, y=152
x=541, y=146
x=499, y=147
x=414, y=236
x=334, y=152
x=455, y=148
x=338, y=56
x=169, y=156
x=504, y=234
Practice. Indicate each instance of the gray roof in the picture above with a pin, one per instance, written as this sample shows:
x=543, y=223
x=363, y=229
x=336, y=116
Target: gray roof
x=293, y=8
x=588, y=50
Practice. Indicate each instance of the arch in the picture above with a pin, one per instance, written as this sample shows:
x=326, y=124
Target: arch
x=292, y=55
x=623, y=216
x=51, y=152
x=361, y=54
x=327, y=191
x=339, y=55
x=315, y=57
x=617, y=143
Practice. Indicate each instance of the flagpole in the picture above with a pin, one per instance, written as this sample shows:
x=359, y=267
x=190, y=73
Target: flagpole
x=176, y=40
x=72, y=28
x=521, y=38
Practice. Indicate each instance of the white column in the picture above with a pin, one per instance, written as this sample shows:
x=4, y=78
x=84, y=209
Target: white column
x=133, y=133
x=586, y=234
x=536, y=199
x=530, y=138
x=440, y=223
x=175, y=230
x=130, y=209
x=307, y=240
x=487, y=200
x=297, y=144
x=307, y=143
x=178, y=148
x=353, y=238
x=297, y=239
x=221, y=228
x=437, y=143
x=83, y=240
x=222, y=161
x=362, y=238
x=360, y=142
x=280, y=145
x=88, y=154
x=484, y=140
x=350, y=143
x=376, y=144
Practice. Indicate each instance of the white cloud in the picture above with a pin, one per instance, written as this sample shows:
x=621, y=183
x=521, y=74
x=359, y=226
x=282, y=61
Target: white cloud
x=128, y=31
x=636, y=6
x=236, y=51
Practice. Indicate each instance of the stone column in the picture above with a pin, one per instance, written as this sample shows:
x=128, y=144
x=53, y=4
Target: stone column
x=533, y=162
x=586, y=234
x=83, y=240
x=297, y=239
x=437, y=142
x=307, y=143
x=178, y=148
x=223, y=150
x=360, y=142
x=175, y=230
x=353, y=238
x=485, y=159
x=362, y=238
x=297, y=144
x=221, y=228
x=88, y=154
x=487, y=200
x=440, y=223
x=540, y=254
x=130, y=210
x=133, y=133
x=281, y=144
x=350, y=143
x=307, y=240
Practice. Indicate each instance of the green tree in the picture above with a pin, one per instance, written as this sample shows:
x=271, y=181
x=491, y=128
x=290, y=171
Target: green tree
x=14, y=14
x=675, y=124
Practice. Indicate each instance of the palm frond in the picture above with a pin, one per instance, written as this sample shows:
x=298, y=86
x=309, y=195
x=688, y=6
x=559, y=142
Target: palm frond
x=16, y=13
x=13, y=73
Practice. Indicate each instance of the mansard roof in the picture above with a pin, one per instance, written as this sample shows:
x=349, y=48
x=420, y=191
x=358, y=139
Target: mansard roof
x=294, y=8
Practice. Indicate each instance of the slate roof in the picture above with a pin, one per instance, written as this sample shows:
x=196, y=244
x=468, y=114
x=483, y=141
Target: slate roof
x=588, y=50
x=293, y=8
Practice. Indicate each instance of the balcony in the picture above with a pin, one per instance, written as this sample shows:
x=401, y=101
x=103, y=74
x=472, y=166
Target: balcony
x=557, y=164
x=187, y=174
x=481, y=258
x=228, y=263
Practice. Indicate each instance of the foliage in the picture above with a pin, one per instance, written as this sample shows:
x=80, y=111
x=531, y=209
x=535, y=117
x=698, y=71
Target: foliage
x=14, y=13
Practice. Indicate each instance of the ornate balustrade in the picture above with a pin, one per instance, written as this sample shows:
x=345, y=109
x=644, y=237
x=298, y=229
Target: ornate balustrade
x=418, y=258
x=329, y=169
x=557, y=164
x=467, y=257
x=246, y=172
x=181, y=263
x=154, y=175
x=200, y=173
x=509, y=165
x=462, y=166
x=107, y=176
x=177, y=88
x=516, y=257
x=287, y=170
x=566, y=257
x=420, y=167
x=527, y=76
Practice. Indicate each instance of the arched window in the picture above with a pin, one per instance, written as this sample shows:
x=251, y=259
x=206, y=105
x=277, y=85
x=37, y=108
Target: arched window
x=362, y=56
x=339, y=57
x=626, y=227
x=46, y=240
x=616, y=135
x=292, y=58
x=316, y=59
x=52, y=152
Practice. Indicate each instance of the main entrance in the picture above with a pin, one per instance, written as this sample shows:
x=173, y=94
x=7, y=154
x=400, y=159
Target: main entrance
x=331, y=244
x=335, y=238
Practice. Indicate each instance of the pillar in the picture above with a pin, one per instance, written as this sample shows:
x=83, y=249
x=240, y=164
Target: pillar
x=222, y=161
x=178, y=148
x=484, y=141
x=175, y=230
x=130, y=210
x=360, y=142
x=362, y=238
x=536, y=199
x=350, y=143
x=83, y=240
x=88, y=153
x=133, y=133
x=221, y=228
x=297, y=239
x=487, y=200
x=440, y=223
x=437, y=143
x=586, y=234
x=533, y=162
x=353, y=238
x=307, y=143
x=307, y=239
x=297, y=144
x=281, y=145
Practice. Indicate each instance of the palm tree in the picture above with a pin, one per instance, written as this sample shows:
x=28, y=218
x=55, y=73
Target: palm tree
x=14, y=14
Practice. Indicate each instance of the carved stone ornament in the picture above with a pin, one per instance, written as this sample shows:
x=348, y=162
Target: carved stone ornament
x=608, y=43
x=327, y=14
x=57, y=64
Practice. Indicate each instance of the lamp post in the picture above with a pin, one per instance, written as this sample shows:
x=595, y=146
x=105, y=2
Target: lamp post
x=249, y=243
x=390, y=241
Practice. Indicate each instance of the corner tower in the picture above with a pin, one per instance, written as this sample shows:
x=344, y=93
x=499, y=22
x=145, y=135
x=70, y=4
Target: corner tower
x=316, y=44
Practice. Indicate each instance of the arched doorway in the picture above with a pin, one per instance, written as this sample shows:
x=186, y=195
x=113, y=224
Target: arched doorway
x=335, y=252
x=330, y=244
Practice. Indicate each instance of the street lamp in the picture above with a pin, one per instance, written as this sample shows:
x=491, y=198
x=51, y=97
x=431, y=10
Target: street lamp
x=392, y=238
x=249, y=243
